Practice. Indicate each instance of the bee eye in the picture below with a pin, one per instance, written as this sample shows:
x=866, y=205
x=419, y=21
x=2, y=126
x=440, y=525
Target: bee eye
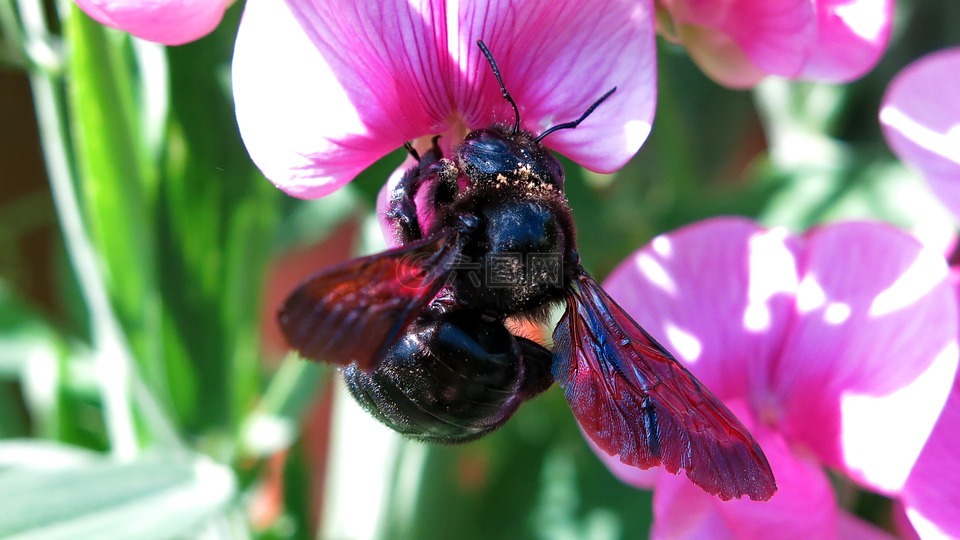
x=487, y=152
x=553, y=167
x=486, y=141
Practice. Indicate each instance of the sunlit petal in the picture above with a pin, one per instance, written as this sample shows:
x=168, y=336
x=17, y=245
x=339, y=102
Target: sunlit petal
x=867, y=366
x=737, y=42
x=931, y=496
x=851, y=37
x=717, y=294
x=297, y=121
x=921, y=122
x=559, y=57
x=325, y=88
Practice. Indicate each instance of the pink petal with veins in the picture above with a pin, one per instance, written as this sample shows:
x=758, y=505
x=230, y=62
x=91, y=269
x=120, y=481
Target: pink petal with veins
x=326, y=88
x=171, y=22
x=294, y=116
x=565, y=55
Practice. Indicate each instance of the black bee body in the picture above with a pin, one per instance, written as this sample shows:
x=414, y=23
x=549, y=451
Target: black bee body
x=484, y=236
x=452, y=378
x=457, y=373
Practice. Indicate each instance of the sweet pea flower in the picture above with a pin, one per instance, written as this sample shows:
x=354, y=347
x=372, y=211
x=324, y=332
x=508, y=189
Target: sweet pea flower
x=931, y=497
x=920, y=116
x=324, y=88
x=739, y=42
x=171, y=22
x=837, y=349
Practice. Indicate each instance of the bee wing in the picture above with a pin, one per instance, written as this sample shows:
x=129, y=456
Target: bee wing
x=352, y=313
x=634, y=399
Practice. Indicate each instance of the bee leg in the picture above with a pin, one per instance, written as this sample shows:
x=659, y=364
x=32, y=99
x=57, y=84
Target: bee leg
x=537, y=363
x=401, y=213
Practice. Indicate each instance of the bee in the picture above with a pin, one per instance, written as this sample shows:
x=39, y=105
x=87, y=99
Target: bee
x=484, y=235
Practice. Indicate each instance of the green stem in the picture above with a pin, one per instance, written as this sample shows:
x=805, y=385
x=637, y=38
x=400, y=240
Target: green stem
x=797, y=120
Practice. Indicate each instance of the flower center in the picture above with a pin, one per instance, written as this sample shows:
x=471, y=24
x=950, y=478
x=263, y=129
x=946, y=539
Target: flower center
x=456, y=131
x=769, y=411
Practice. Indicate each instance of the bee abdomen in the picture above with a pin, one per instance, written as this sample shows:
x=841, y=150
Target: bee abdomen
x=448, y=380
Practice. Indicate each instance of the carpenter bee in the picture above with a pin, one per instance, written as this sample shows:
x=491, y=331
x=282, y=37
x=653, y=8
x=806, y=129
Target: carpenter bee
x=484, y=235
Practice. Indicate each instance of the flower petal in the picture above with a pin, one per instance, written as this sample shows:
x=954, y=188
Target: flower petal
x=931, y=496
x=921, y=121
x=774, y=36
x=325, y=88
x=309, y=132
x=869, y=359
x=834, y=359
x=851, y=37
x=559, y=58
x=803, y=507
x=171, y=22
x=718, y=294
x=851, y=526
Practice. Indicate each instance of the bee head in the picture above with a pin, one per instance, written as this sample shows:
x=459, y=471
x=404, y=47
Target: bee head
x=498, y=154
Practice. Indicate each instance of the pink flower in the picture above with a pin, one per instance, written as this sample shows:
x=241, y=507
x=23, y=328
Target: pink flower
x=324, y=88
x=171, y=22
x=931, y=496
x=920, y=116
x=836, y=348
x=739, y=42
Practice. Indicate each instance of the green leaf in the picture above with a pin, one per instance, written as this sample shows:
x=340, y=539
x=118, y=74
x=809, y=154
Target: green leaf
x=112, y=165
x=116, y=180
x=81, y=496
x=216, y=220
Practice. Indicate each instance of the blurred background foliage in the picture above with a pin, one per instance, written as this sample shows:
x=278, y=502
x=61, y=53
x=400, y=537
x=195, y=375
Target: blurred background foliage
x=142, y=255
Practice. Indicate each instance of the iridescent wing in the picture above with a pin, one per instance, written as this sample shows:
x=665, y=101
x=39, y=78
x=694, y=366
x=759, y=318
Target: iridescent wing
x=634, y=399
x=354, y=312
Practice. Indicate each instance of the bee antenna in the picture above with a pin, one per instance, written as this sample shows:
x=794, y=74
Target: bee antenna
x=575, y=123
x=412, y=151
x=503, y=89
